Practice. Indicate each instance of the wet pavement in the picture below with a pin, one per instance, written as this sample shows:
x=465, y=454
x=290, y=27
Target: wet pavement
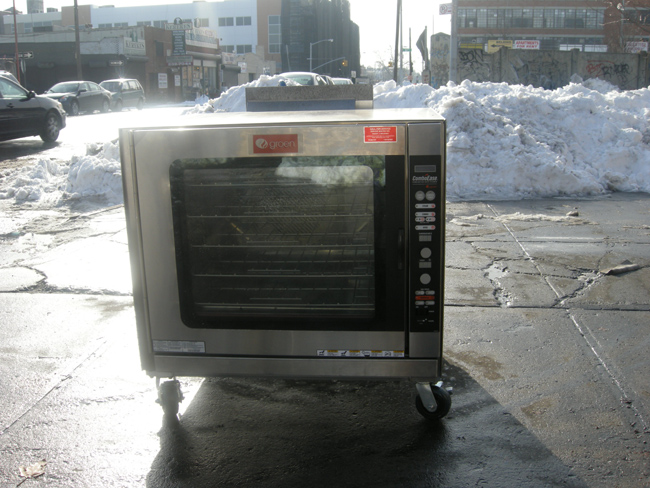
x=547, y=328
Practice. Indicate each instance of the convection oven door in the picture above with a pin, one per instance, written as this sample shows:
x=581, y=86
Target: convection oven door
x=245, y=254
x=290, y=243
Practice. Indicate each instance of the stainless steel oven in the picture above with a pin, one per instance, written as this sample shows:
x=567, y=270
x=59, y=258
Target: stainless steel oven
x=292, y=244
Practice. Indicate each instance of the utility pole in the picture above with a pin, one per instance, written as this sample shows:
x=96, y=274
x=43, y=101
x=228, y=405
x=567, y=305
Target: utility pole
x=453, y=48
x=397, y=37
x=77, y=51
x=410, y=57
x=16, y=45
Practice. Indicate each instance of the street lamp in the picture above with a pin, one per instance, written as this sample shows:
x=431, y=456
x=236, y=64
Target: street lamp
x=312, y=44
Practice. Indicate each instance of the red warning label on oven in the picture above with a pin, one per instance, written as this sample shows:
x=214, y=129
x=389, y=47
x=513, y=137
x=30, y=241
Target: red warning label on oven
x=380, y=134
x=275, y=143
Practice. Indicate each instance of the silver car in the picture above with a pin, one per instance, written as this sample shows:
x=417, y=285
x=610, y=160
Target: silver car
x=124, y=93
x=305, y=78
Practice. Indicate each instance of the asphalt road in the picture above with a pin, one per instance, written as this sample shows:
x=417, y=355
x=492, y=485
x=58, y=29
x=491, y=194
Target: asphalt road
x=547, y=332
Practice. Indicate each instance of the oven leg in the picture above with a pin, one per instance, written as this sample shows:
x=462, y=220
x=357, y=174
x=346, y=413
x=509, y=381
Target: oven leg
x=433, y=401
x=169, y=396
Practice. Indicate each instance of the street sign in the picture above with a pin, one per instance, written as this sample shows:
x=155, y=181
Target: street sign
x=445, y=9
x=179, y=60
x=494, y=45
x=26, y=55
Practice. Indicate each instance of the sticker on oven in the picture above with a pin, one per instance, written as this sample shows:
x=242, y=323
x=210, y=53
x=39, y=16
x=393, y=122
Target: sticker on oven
x=188, y=347
x=380, y=134
x=357, y=353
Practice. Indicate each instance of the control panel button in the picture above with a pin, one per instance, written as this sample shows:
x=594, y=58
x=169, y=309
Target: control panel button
x=431, y=195
x=419, y=196
x=425, y=252
x=425, y=227
x=425, y=279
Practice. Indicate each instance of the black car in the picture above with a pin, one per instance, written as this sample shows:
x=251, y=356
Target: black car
x=80, y=96
x=23, y=113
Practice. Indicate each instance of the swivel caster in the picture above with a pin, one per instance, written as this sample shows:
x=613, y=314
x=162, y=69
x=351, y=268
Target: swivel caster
x=433, y=401
x=169, y=396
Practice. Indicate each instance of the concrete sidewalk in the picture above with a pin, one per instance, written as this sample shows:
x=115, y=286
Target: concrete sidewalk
x=547, y=328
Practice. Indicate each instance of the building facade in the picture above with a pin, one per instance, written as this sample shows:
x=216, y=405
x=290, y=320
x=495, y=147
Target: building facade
x=232, y=26
x=307, y=28
x=555, y=25
x=552, y=25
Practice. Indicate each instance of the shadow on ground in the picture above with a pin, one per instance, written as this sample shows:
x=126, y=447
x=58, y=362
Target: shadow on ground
x=281, y=433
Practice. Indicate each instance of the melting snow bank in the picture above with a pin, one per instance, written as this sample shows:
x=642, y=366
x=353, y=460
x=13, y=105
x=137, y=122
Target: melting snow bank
x=503, y=142
x=97, y=174
x=513, y=142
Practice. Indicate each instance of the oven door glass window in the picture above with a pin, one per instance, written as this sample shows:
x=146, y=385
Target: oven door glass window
x=280, y=242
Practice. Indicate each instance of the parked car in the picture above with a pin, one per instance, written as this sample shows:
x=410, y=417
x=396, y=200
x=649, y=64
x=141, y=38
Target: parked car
x=342, y=81
x=124, y=93
x=23, y=113
x=10, y=75
x=80, y=96
x=305, y=78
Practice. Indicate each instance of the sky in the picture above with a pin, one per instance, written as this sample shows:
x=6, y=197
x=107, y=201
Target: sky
x=376, y=20
x=504, y=142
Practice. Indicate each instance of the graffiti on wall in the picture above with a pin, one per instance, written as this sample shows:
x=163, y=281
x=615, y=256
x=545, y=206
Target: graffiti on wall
x=615, y=73
x=473, y=65
x=539, y=70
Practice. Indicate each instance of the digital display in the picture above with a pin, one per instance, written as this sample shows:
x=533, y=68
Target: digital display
x=425, y=168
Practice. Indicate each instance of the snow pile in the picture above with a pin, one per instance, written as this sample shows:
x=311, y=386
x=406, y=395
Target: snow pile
x=512, y=142
x=503, y=142
x=97, y=174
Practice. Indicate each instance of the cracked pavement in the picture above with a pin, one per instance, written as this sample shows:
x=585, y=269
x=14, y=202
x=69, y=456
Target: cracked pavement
x=544, y=345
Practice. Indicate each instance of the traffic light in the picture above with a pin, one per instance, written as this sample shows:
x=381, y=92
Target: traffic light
x=344, y=62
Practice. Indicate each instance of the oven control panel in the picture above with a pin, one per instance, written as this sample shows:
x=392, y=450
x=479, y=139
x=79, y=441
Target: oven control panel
x=426, y=224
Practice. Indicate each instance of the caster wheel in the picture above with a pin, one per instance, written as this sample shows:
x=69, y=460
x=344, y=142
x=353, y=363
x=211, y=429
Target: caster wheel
x=443, y=404
x=169, y=397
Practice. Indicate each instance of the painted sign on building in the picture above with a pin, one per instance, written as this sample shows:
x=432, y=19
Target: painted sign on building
x=636, y=47
x=134, y=48
x=524, y=44
x=201, y=37
x=494, y=45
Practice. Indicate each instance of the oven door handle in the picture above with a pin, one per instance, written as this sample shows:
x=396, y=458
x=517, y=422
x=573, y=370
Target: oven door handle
x=400, y=249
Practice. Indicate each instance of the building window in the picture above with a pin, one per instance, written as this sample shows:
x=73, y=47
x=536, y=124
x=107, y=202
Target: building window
x=121, y=24
x=143, y=23
x=160, y=49
x=202, y=23
x=243, y=21
x=275, y=34
x=493, y=19
x=593, y=19
x=226, y=22
x=244, y=48
x=481, y=18
x=228, y=49
x=105, y=26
